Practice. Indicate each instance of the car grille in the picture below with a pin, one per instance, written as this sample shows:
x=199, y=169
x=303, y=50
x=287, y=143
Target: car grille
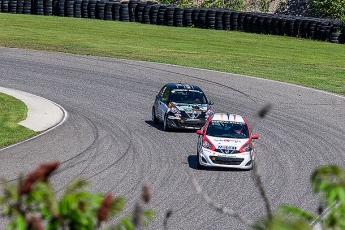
x=192, y=114
x=224, y=151
x=226, y=160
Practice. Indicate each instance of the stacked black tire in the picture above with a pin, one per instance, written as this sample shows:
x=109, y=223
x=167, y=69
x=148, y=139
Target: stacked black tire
x=149, y=12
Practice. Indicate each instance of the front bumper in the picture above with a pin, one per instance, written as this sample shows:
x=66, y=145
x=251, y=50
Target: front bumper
x=185, y=123
x=209, y=158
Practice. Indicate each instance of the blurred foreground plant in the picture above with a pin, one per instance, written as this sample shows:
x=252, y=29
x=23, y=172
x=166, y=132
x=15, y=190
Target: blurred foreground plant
x=31, y=204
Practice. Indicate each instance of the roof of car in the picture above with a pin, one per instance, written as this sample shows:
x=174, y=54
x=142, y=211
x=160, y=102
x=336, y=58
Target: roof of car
x=228, y=117
x=183, y=86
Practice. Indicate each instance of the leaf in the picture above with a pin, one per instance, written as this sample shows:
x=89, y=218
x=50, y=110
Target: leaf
x=18, y=223
x=53, y=224
x=290, y=209
x=127, y=224
x=117, y=205
x=76, y=185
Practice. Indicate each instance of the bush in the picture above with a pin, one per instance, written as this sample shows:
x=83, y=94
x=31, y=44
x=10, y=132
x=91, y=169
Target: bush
x=330, y=8
x=32, y=204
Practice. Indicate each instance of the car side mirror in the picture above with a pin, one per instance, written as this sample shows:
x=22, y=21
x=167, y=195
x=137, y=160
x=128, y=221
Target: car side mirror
x=199, y=132
x=211, y=102
x=164, y=99
x=255, y=136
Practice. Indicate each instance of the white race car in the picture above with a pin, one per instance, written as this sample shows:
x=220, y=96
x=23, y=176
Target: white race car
x=226, y=141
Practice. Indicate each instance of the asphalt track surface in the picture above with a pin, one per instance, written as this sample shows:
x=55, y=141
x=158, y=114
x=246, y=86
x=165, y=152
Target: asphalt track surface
x=108, y=137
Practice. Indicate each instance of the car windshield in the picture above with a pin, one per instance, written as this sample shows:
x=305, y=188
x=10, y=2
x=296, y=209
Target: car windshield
x=227, y=129
x=188, y=96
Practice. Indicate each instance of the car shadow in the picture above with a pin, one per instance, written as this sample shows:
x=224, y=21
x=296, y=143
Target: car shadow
x=159, y=126
x=192, y=159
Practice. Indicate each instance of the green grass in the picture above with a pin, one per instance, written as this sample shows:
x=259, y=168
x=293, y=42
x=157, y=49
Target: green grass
x=300, y=61
x=12, y=111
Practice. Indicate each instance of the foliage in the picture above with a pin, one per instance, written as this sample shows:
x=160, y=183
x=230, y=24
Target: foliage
x=238, y=5
x=329, y=181
x=32, y=204
x=264, y=5
x=281, y=222
x=331, y=8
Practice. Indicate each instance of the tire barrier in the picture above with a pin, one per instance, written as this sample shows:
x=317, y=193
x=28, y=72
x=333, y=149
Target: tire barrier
x=150, y=12
x=187, y=17
x=154, y=13
x=241, y=20
x=116, y=11
x=161, y=14
x=47, y=7
x=234, y=20
x=124, y=12
x=211, y=18
x=178, y=16
x=132, y=5
x=146, y=14
x=202, y=18
x=108, y=11
x=77, y=8
x=227, y=20
x=169, y=16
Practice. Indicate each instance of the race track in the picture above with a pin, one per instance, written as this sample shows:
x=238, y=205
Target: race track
x=109, y=139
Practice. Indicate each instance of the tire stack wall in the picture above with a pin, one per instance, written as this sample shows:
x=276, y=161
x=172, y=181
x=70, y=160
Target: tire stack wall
x=150, y=12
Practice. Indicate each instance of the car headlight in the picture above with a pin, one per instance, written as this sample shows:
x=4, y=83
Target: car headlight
x=208, y=145
x=247, y=147
x=173, y=108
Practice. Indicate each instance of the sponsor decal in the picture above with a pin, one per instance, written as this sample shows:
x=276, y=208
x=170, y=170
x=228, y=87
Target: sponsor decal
x=226, y=147
x=219, y=139
x=192, y=114
x=189, y=89
x=225, y=157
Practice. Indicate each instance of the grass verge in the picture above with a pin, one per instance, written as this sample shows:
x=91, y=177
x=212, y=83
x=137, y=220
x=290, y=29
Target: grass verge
x=12, y=111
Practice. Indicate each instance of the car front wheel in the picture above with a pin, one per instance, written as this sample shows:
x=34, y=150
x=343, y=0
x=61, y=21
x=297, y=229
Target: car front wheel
x=154, y=118
x=198, y=165
x=165, y=124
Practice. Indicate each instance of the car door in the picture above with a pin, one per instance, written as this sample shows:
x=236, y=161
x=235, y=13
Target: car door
x=156, y=102
x=162, y=102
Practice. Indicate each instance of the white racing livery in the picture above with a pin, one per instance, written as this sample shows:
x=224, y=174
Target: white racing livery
x=226, y=141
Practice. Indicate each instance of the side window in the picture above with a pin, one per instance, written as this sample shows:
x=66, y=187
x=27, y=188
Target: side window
x=162, y=92
x=204, y=100
x=166, y=93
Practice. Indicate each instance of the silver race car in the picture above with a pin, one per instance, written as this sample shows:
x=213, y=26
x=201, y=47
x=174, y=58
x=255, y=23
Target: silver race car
x=181, y=106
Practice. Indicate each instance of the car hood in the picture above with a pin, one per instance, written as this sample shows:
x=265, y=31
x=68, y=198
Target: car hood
x=223, y=143
x=188, y=107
